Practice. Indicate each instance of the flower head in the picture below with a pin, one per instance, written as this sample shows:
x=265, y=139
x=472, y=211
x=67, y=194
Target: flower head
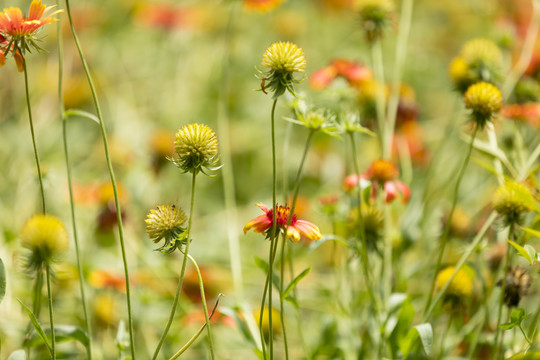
x=197, y=147
x=355, y=74
x=384, y=173
x=313, y=119
x=460, y=288
x=46, y=237
x=516, y=286
x=512, y=200
x=373, y=223
x=484, y=100
x=298, y=228
x=282, y=59
x=18, y=31
x=479, y=60
x=166, y=222
x=374, y=16
x=262, y=5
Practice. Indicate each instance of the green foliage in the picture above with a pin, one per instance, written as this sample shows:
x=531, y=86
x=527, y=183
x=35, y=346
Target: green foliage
x=516, y=318
x=2, y=280
x=36, y=324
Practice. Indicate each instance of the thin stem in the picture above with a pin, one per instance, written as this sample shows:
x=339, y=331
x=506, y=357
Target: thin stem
x=498, y=334
x=70, y=189
x=205, y=307
x=460, y=264
x=272, y=231
x=401, y=49
x=182, y=271
x=529, y=341
x=34, y=144
x=377, y=59
x=112, y=177
x=51, y=317
x=281, y=296
x=445, y=236
x=363, y=251
x=445, y=335
x=37, y=294
x=197, y=334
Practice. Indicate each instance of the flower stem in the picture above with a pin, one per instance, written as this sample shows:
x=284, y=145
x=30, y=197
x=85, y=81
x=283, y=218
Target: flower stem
x=182, y=271
x=498, y=334
x=51, y=317
x=281, y=296
x=272, y=232
x=363, y=251
x=70, y=189
x=112, y=177
x=445, y=236
x=378, y=67
x=30, y=118
x=205, y=307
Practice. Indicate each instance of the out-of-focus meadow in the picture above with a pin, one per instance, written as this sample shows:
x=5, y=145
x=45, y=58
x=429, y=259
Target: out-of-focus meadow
x=160, y=65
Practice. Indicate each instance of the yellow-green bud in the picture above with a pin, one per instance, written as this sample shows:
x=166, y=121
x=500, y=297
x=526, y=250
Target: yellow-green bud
x=197, y=148
x=165, y=222
x=484, y=100
x=282, y=59
x=512, y=200
x=374, y=16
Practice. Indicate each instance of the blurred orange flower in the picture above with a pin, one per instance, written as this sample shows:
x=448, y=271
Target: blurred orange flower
x=355, y=74
x=262, y=5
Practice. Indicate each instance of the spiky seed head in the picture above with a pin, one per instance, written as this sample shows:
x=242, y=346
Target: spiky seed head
x=197, y=147
x=282, y=59
x=482, y=52
x=46, y=237
x=165, y=222
x=374, y=16
x=512, y=200
x=484, y=100
x=517, y=285
x=284, y=56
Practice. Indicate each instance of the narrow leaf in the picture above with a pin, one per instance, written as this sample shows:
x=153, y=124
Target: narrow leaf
x=534, y=233
x=81, y=113
x=532, y=253
x=534, y=355
x=296, y=281
x=2, y=280
x=521, y=251
x=35, y=322
x=61, y=333
x=263, y=265
x=426, y=336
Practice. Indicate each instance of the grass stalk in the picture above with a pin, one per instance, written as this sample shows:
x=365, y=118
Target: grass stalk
x=111, y=175
x=51, y=316
x=61, y=106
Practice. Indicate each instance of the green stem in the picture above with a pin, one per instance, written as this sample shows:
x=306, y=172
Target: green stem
x=70, y=189
x=363, y=251
x=479, y=236
x=205, y=307
x=51, y=317
x=182, y=271
x=378, y=67
x=281, y=297
x=272, y=231
x=401, y=49
x=529, y=341
x=37, y=294
x=34, y=144
x=445, y=335
x=446, y=233
x=498, y=330
x=197, y=334
x=112, y=177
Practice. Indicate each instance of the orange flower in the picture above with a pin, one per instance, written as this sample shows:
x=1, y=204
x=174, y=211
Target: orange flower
x=355, y=74
x=101, y=279
x=529, y=112
x=13, y=24
x=262, y=5
x=298, y=228
x=385, y=173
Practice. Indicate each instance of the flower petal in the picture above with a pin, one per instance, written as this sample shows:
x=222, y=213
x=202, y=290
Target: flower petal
x=308, y=230
x=260, y=224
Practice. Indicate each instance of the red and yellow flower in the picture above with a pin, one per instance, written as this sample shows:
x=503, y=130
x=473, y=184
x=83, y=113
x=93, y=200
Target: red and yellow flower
x=295, y=231
x=355, y=74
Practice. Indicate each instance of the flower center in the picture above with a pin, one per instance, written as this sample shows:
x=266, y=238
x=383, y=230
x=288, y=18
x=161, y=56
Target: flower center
x=283, y=213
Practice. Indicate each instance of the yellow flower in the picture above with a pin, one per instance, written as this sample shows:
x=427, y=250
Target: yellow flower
x=512, y=200
x=484, y=99
x=460, y=288
x=282, y=59
x=46, y=237
x=265, y=324
x=197, y=148
x=374, y=16
x=165, y=222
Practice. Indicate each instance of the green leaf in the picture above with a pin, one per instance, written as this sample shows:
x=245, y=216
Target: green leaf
x=296, y=281
x=521, y=251
x=81, y=113
x=240, y=322
x=17, y=355
x=532, y=232
x=35, y=322
x=400, y=326
x=532, y=253
x=61, y=333
x=424, y=332
x=2, y=280
x=535, y=355
x=263, y=265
